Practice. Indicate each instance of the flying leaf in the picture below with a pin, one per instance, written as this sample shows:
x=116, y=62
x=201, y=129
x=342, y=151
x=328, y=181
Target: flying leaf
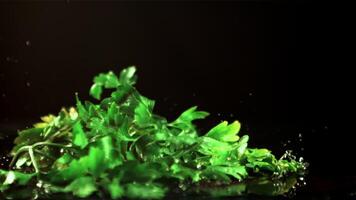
x=190, y=115
x=107, y=80
x=96, y=90
x=225, y=132
x=127, y=75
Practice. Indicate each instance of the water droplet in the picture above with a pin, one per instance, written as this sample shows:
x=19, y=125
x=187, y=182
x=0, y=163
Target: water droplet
x=300, y=135
x=35, y=196
x=228, y=158
x=28, y=84
x=301, y=159
x=39, y=184
x=182, y=186
x=198, y=166
x=231, y=115
x=219, y=114
x=176, y=160
x=28, y=43
x=288, y=141
x=326, y=127
x=352, y=194
x=11, y=59
x=250, y=94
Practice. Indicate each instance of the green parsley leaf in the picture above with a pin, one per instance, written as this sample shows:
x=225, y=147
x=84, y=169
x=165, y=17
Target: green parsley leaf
x=79, y=137
x=225, y=132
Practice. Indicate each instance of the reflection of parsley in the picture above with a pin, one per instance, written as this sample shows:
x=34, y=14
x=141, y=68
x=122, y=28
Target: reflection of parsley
x=121, y=147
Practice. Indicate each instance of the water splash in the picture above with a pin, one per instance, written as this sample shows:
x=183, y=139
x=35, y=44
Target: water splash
x=262, y=186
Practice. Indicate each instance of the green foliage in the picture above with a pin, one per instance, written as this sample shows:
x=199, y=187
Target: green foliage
x=225, y=132
x=119, y=146
x=79, y=137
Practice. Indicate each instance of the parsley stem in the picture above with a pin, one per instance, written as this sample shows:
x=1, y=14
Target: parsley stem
x=44, y=154
x=27, y=147
x=17, y=154
x=33, y=159
x=51, y=144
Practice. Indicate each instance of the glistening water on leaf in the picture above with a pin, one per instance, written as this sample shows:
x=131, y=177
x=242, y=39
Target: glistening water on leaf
x=118, y=147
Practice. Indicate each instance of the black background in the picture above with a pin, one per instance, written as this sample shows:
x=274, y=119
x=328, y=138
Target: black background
x=263, y=63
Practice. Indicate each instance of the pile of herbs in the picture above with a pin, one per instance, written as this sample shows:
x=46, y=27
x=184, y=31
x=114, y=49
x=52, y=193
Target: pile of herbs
x=120, y=148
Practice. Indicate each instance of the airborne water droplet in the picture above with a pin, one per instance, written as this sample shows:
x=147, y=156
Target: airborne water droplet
x=182, y=186
x=39, y=184
x=198, y=166
x=28, y=84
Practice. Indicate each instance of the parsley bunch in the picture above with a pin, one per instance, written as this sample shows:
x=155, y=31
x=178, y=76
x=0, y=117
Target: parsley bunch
x=120, y=148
